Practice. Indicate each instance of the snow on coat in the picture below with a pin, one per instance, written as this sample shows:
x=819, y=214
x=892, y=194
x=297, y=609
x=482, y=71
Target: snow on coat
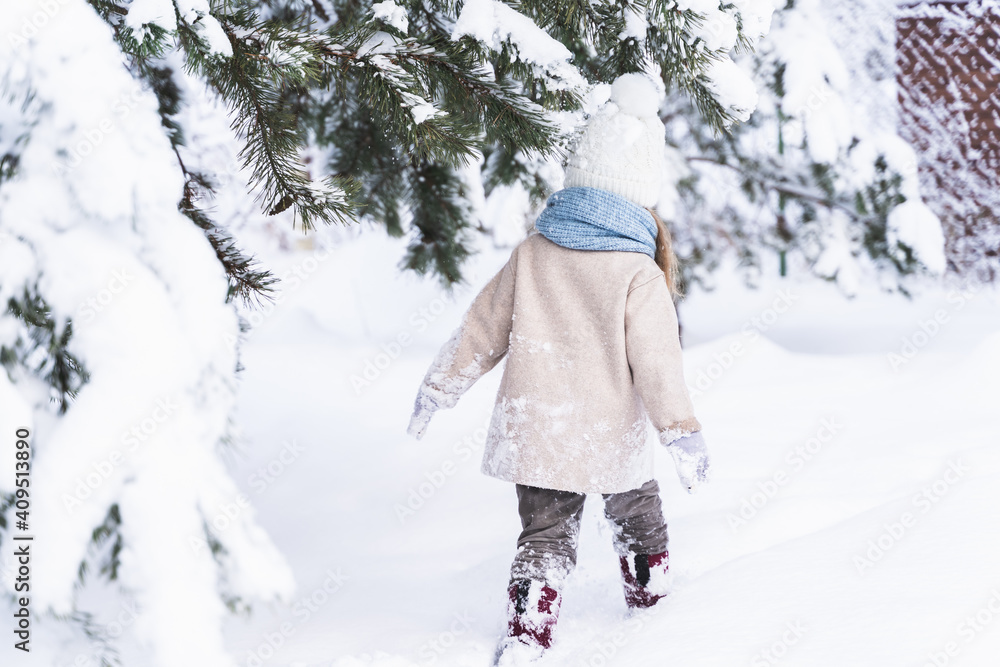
x=593, y=355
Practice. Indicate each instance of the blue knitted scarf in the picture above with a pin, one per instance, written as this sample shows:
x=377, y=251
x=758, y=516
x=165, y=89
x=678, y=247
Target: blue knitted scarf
x=593, y=219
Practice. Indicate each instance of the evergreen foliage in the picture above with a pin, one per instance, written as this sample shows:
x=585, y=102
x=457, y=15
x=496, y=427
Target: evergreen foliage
x=410, y=120
x=42, y=347
x=399, y=111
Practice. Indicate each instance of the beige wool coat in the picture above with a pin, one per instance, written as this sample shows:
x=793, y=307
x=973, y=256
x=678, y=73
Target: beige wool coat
x=593, y=355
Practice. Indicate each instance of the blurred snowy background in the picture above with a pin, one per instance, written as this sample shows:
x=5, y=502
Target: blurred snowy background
x=841, y=332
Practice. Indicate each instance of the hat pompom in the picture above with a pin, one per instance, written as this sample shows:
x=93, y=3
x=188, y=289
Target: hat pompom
x=621, y=148
x=636, y=95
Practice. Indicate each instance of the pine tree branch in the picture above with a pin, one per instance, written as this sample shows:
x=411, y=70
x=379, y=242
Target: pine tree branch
x=251, y=83
x=246, y=280
x=783, y=187
x=498, y=109
x=57, y=366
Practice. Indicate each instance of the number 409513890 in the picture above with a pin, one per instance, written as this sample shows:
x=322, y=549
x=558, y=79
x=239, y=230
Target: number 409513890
x=22, y=477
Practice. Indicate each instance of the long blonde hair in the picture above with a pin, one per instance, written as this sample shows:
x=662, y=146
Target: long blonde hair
x=665, y=257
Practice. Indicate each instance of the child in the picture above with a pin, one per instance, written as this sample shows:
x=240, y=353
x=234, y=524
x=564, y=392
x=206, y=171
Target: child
x=583, y=312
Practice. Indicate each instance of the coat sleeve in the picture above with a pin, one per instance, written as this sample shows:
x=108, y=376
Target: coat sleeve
x=478, y=344
x=652, y=344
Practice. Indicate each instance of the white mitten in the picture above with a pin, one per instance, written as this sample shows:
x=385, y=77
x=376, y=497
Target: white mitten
x=691, y=458
x=423, y=409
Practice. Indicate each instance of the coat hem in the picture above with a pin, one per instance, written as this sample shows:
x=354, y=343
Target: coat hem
x=518, y=479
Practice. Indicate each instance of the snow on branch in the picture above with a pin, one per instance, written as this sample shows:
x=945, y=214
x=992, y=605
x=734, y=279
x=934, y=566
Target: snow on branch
x=493, y=24
x=144, y=14
x=391, y=14
x=716, y=30
x=399, y=74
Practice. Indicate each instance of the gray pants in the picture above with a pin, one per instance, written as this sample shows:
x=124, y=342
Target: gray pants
x=546, y=549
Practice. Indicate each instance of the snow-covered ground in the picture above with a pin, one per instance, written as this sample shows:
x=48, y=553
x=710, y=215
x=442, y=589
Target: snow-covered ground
x=853, y=518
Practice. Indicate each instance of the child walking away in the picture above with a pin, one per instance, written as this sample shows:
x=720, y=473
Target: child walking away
x=583, y=311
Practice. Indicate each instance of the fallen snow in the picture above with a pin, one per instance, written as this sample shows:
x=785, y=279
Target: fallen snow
x=421, y=109
x=91, y=219
x=425, y=541
x=635, y=25
x=733, y=88
x=401, y=549
x=717, y=32
x=156, y=12
x=816, y=82
x=163, y=13
x=916, y=226
x=391, y=13
x=493, y=22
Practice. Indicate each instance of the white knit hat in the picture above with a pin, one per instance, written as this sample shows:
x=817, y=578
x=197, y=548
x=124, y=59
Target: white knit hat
x=621, y=149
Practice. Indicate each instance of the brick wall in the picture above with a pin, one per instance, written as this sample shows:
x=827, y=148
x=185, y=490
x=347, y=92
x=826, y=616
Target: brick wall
x=948, y=71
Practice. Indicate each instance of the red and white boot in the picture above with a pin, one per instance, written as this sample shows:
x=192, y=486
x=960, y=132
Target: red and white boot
x=647, y=578
x=532, y=612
